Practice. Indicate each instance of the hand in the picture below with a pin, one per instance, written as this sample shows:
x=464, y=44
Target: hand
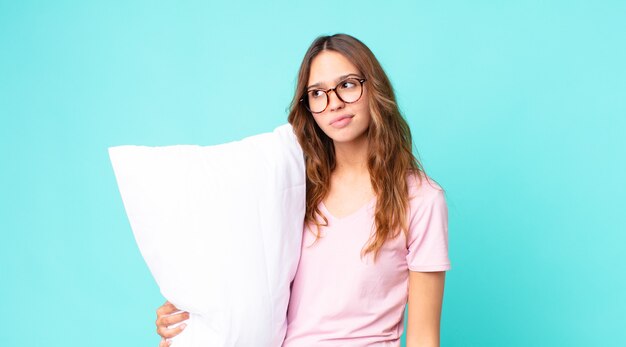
x=168, y=315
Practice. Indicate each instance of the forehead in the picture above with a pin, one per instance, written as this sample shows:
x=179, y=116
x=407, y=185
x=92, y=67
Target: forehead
x=327, y=66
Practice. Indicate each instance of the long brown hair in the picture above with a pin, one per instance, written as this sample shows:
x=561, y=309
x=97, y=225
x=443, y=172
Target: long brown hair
x=390, y=157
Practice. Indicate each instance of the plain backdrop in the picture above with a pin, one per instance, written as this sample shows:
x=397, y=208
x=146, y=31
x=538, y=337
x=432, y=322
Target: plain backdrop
x=517, y=108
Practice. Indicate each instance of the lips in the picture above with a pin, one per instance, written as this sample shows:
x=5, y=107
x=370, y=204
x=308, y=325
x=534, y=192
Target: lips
x=340, y=118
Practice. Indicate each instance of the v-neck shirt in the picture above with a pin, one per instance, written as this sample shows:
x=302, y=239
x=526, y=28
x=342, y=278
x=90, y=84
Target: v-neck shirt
x=339, y=298
x=329, y=214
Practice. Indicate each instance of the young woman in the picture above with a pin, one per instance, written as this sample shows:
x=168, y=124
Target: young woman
x=376, y=224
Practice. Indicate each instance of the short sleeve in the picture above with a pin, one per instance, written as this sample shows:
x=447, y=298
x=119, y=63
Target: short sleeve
x=428, y=232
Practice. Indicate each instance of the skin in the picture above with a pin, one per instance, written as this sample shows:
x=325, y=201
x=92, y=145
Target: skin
x=350, y=188
x=168, y=315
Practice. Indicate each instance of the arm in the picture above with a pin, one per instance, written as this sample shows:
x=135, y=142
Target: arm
x=425, y=301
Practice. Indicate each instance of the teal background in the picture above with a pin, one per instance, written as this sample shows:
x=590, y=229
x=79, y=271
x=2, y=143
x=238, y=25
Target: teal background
x=517, y=109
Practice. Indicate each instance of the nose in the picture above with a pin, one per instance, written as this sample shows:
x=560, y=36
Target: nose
x=334, y=102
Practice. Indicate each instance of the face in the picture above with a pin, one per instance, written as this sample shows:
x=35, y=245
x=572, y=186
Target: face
x=342, y=122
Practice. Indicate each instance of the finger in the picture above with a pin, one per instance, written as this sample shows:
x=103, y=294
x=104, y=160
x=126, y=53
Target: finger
x=172, y=319
x=169, y=333
x=166, y=308
x=163, y=343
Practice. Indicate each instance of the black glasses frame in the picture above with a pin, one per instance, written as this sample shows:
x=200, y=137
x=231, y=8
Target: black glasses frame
x=305, y=101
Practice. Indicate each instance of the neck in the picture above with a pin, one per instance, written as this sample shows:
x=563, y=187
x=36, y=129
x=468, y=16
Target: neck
x=351, y=157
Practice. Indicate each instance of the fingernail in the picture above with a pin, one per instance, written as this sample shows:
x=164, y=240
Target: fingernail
x=183, y=326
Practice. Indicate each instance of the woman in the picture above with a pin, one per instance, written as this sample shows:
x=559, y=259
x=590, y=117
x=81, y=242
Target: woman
x=375, y=223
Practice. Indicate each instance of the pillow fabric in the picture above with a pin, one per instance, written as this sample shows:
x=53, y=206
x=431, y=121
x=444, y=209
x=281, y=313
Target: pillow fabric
x=220, y=230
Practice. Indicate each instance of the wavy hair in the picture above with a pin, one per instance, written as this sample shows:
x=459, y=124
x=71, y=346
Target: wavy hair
x=388, y=133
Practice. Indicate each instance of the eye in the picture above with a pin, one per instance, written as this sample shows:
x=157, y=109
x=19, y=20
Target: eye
x=316, y=93
x=347, y=84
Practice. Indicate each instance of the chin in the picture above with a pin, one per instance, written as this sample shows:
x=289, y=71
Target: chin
x=347, y=137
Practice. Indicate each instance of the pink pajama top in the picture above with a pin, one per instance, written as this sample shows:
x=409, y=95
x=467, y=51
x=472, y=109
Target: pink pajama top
x=340, y=299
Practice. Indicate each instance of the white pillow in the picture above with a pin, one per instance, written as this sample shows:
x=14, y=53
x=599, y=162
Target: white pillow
x=220, y=229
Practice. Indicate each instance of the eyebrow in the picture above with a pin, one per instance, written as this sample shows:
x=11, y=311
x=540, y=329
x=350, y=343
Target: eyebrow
x=318, y=84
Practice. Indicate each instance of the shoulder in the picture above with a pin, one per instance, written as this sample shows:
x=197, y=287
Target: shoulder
x=427, y=239
x=422, y=188
x=425, y=195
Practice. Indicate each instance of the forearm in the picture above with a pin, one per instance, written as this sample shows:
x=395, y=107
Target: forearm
x=425, y=341
x=424, y=313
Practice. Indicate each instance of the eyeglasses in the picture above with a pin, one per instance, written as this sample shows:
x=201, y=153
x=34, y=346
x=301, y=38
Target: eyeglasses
x=348, y=91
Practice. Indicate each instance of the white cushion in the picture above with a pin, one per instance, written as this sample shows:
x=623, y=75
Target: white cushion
x=220, y=229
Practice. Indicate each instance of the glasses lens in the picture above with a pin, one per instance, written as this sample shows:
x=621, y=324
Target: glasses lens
x=317, y=100
x=349, y=90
